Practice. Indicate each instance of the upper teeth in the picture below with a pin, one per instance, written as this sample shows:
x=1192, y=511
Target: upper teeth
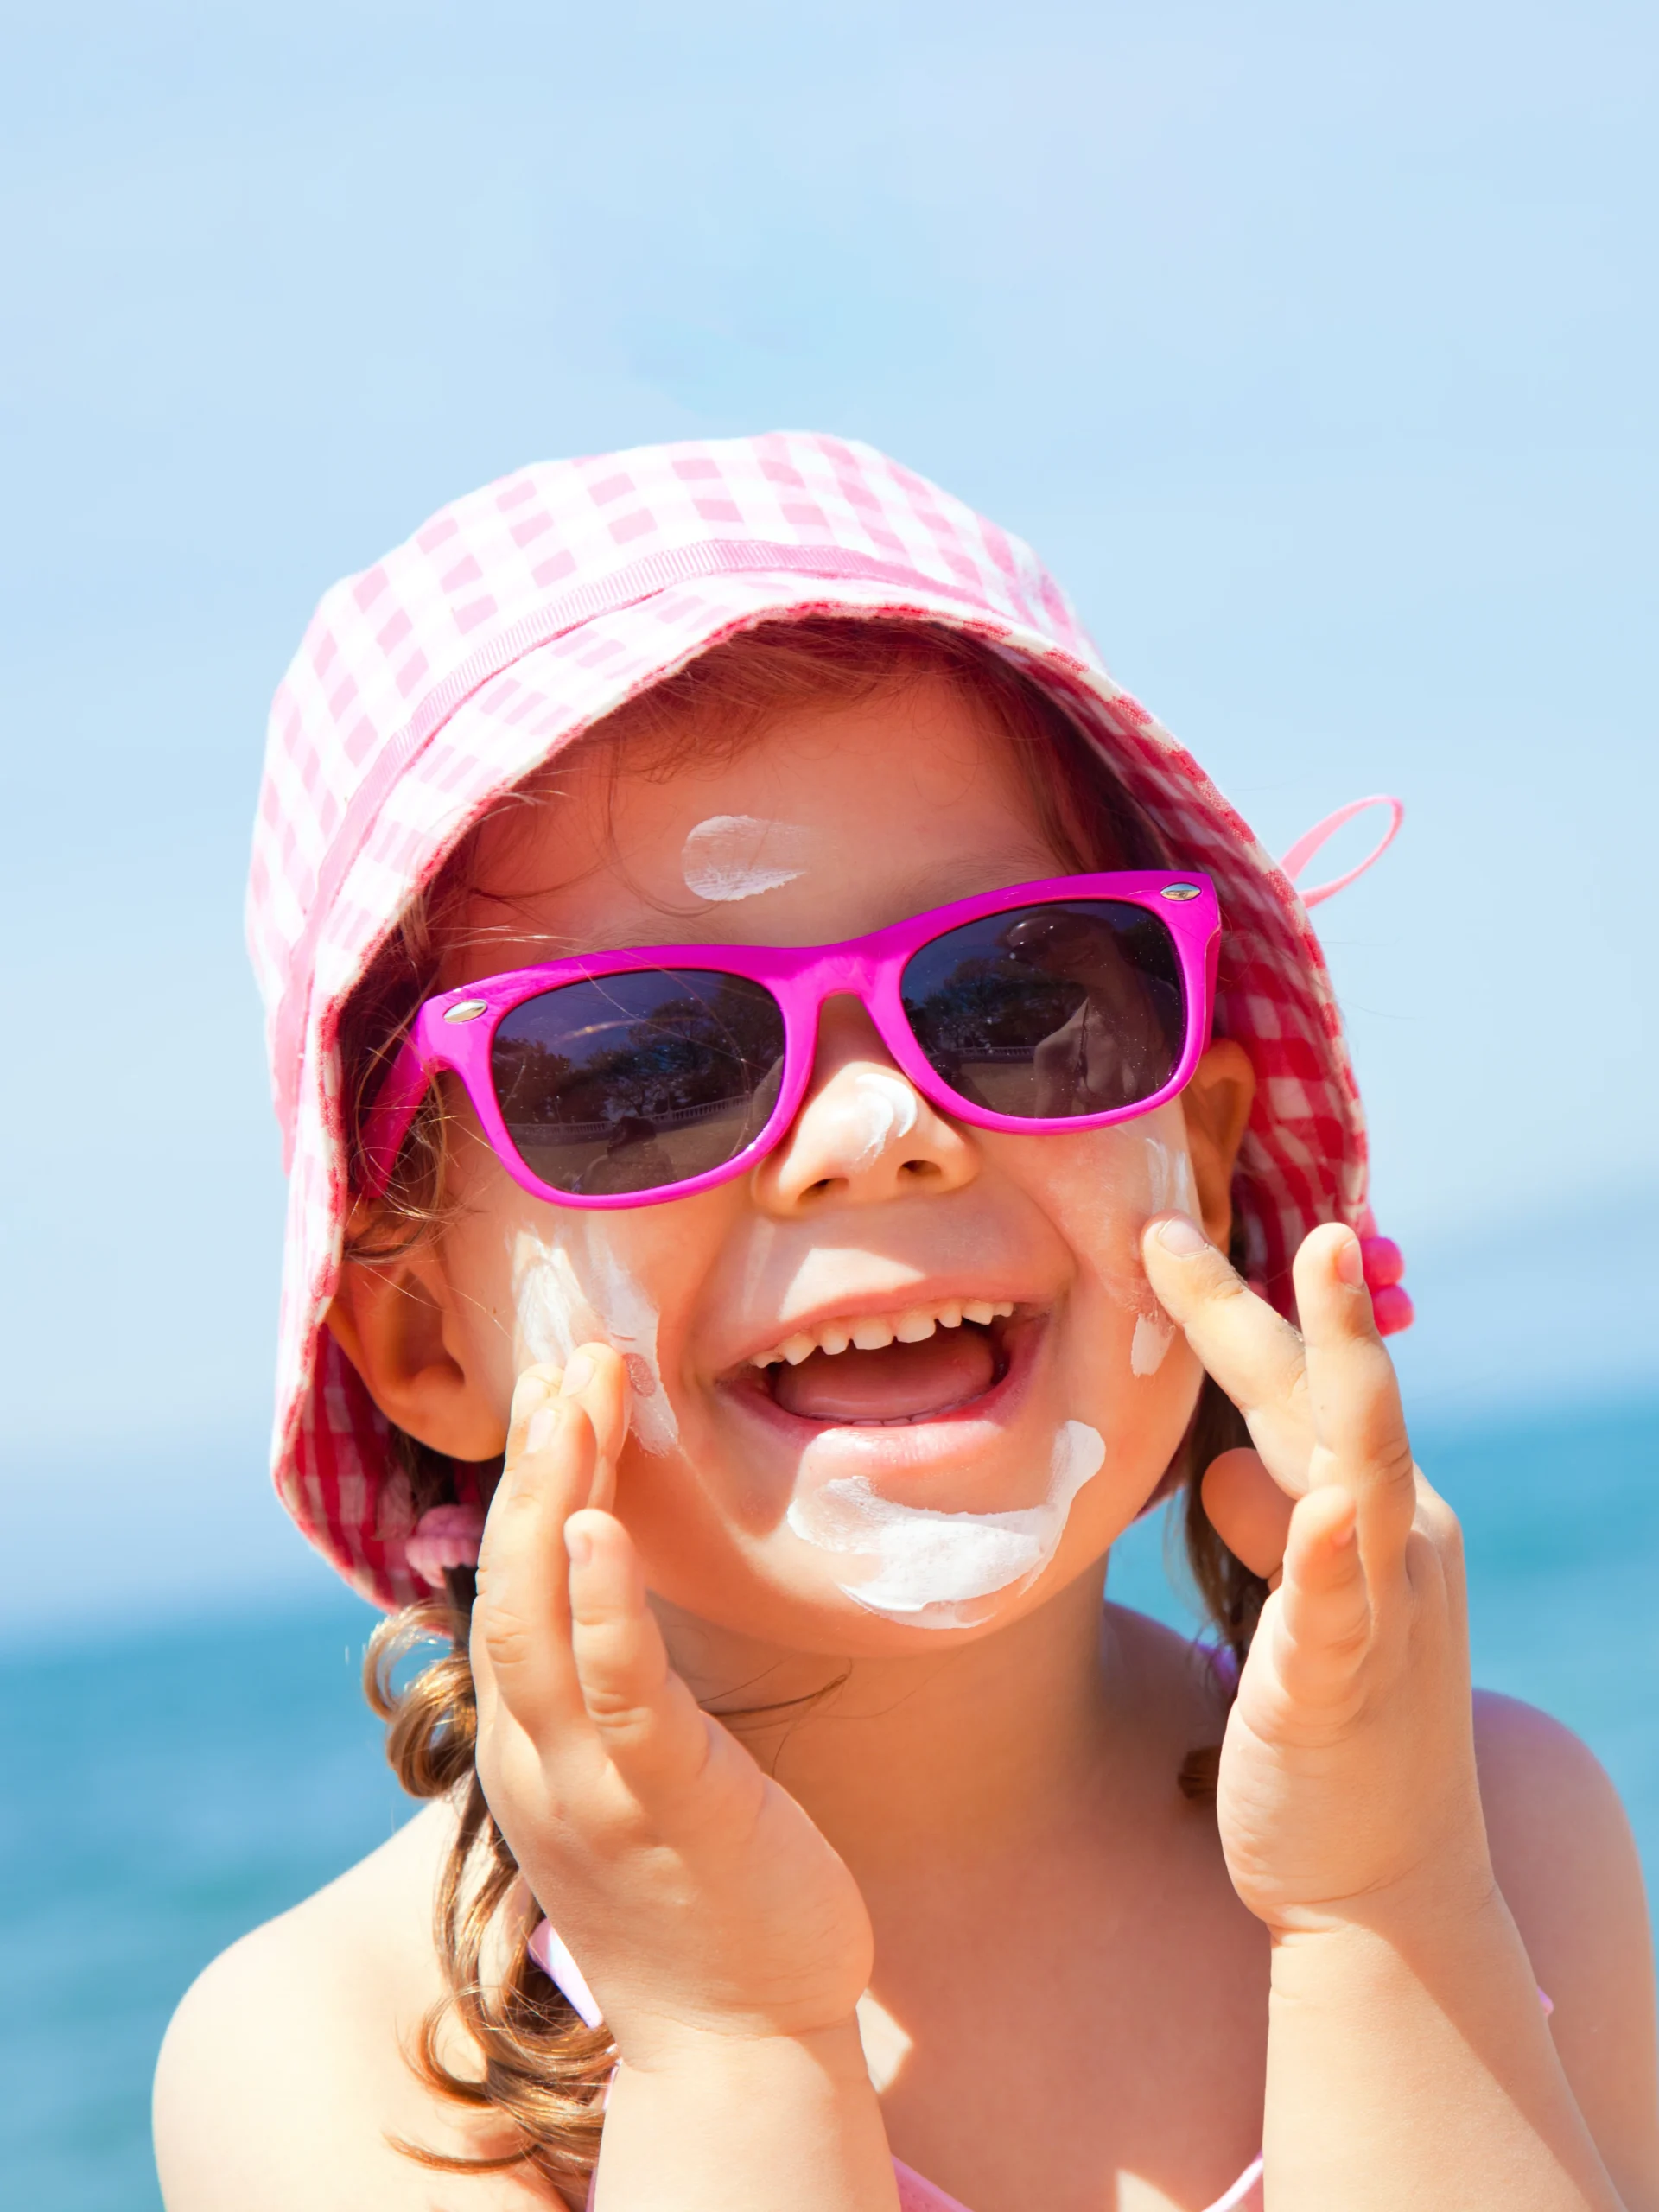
x=871, y=1332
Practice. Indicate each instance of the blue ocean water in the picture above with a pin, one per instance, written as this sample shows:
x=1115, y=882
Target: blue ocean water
x=165, y=1792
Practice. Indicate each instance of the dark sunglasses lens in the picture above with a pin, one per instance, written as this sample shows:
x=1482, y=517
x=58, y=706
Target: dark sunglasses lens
x=1050, y=1011
x=632, y=1083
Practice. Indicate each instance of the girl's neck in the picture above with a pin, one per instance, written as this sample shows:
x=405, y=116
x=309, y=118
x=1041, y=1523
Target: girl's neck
x=989, y=1742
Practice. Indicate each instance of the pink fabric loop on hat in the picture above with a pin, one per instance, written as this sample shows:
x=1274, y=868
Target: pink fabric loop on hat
x=1310, y=840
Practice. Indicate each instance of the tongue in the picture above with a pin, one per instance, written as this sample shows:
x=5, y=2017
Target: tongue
x=906, y=1381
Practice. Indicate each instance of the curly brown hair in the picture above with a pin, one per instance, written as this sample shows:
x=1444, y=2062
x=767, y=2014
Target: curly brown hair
x=541, y=2071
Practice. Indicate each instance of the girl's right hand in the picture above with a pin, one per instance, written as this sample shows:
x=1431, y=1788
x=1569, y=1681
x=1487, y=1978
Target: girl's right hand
x=693, y=1893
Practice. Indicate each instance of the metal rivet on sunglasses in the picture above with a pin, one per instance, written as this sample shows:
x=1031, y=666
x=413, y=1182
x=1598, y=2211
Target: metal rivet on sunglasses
x=1169, y=891
x=467, y=1010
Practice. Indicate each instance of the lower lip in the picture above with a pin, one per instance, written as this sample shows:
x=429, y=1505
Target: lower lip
x=955, y=1435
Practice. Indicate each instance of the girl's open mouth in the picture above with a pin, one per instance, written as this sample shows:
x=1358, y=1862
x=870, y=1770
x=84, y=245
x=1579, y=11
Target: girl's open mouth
x=895, y=1370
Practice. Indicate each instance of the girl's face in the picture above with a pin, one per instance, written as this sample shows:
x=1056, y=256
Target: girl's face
x=979, y=1390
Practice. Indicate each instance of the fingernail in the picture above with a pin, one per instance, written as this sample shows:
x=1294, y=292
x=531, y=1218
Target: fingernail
x=544, y=1424
x=1351, y=1261
x=577, y=1375
x=1182, y=1236
x=579, y=1546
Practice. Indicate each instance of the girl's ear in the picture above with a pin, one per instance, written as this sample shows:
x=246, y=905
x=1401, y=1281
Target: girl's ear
x=1216, y=1104
x=394, y=1320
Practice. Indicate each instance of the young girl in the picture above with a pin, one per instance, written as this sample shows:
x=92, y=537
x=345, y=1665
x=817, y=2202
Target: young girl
x=808, y=1112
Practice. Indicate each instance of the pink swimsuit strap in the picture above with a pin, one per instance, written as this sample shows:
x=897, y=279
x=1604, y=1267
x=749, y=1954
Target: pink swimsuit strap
x=916, y=2194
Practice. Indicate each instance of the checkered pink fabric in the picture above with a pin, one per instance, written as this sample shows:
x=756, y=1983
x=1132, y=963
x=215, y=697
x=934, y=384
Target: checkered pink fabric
x=432, y=682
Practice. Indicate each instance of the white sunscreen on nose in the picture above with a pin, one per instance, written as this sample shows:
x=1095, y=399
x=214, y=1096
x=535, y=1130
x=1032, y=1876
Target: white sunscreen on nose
x=935, y=1569
x=886, y=1106
x=565, y=1298
x=732, y=856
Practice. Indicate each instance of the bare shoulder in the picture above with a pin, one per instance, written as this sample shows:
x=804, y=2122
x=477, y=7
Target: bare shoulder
x=283, y=2076
x=1167, y=1662
x=1567, y=1863
x=1560, y=1842
x=1178, y=1694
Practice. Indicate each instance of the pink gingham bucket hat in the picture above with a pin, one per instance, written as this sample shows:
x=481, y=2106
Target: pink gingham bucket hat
x=434, y=681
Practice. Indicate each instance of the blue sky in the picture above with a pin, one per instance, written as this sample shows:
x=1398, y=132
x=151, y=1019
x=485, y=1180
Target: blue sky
x=1313, y=347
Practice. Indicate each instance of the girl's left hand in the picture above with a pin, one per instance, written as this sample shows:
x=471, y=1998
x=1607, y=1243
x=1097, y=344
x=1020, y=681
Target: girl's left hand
x=1348, y=1769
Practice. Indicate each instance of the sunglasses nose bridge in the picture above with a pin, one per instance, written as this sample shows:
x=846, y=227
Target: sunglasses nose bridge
x=841, y=972
x=844, y=971
x=857, y=976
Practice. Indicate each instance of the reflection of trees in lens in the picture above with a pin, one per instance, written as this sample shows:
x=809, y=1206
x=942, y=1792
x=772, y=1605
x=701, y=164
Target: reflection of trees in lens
x=1053, y=1012
x=989, y=1002
x=633, y=1160
x=600, y=1056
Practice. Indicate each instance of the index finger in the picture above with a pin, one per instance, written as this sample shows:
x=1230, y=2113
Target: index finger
x=597, y=1379
x=1252, y=1352
x=521, y=1614
x=1353, y=1394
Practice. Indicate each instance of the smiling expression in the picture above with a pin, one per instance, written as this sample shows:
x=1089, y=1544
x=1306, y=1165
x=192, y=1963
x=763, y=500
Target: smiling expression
x=890, y=1298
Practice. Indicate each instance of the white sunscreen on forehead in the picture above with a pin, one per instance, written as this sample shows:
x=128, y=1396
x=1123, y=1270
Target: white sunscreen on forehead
x=934, y=1569
x=732, y=856
x=577, y=1291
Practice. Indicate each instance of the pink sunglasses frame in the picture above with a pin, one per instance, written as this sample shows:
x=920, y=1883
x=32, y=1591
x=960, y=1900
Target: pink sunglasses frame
x=455, y=1030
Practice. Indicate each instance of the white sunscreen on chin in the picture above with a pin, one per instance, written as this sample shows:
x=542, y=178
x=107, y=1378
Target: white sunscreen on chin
x=732, y=856
x=565, y=1298
x=936, y=1569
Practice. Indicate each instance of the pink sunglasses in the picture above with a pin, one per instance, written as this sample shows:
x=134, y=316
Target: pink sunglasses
x=622, y=1078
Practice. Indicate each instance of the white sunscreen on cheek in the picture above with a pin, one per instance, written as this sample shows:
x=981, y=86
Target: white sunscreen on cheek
x=935, y=1569
x=1169, y=1187
x=566, y=1297
x=732, y=857
x=1153, y=1335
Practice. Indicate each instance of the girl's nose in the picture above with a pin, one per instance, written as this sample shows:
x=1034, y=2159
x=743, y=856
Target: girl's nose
x=864, y=1133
